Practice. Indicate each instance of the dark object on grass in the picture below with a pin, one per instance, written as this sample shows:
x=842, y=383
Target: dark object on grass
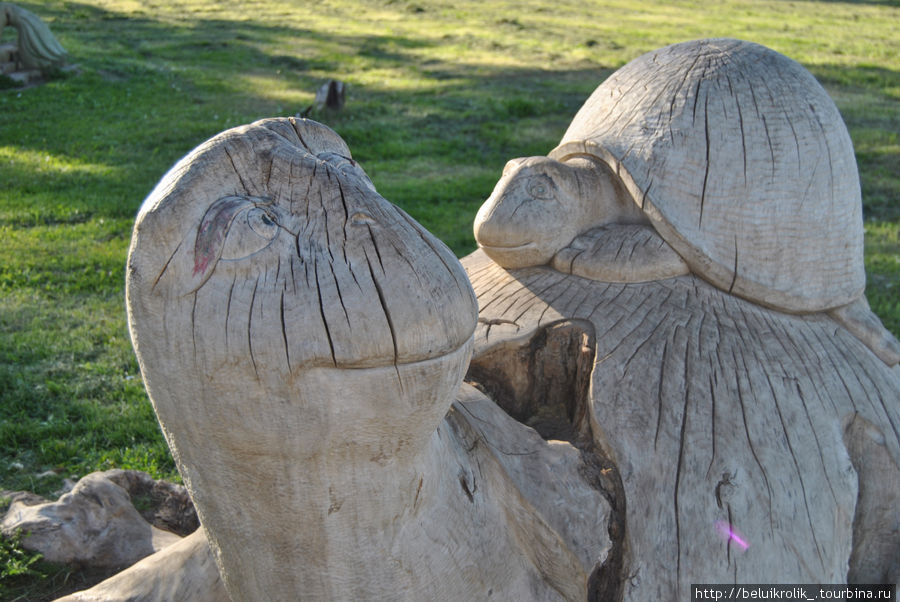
x=331, y=95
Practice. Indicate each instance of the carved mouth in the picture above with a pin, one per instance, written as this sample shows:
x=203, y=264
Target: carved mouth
x=527, y=245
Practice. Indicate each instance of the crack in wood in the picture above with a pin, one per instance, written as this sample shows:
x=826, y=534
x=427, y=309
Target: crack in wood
x=681, y=446
x=237, y=172
x=787, y=439
x=707, y=163
x=284, y=336
x=741, y=124
x=384, y=307
x=322, y=310
x=166, y=265
x=250, y=330
x=194, y=324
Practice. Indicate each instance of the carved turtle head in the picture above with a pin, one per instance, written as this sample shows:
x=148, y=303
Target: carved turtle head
x=272, y=291
x=740, y=160
x=541, y=204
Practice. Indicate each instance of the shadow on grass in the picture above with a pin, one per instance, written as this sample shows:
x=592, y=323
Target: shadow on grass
x=151, y=91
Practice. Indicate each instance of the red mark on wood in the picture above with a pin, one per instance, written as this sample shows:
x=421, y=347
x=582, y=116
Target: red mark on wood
x=213, y=230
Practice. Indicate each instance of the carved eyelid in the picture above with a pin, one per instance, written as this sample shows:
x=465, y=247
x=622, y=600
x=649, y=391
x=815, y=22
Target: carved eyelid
x=541, y=187
x=216, y=226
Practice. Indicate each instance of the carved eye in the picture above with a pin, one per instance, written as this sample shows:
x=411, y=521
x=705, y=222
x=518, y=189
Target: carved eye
x=540, y=187
x=233, y=228
x=251, y=231
x=262, y=223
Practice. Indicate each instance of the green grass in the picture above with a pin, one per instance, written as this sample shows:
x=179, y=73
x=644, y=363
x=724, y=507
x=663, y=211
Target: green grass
x=441, y=95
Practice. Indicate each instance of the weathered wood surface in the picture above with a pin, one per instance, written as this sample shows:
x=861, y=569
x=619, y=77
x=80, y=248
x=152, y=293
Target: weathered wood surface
x=620, y=253
x=721, y=417
x=489, y=465
x=540, y=204
x=302, y=341
x=182, y=572
x=488, y=460
x=741, y=161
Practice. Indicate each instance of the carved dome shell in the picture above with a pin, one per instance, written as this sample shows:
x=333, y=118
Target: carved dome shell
x=742, y=163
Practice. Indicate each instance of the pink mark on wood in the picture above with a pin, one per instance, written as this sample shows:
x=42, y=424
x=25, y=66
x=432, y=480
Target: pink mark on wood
x=727, y=531
x=213, y=229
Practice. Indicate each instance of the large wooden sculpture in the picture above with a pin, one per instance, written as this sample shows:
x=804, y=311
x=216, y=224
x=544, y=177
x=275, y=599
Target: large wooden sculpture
x=303, y=342
x=701, y=219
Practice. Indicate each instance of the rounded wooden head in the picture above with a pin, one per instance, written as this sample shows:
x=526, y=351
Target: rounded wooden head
x=264, y=259
x=742, y=163
x=537, y=207
x=269, y=243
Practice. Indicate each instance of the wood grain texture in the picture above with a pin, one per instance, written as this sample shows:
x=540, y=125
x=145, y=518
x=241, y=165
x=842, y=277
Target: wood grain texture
x=540, y=205
x=741, y=161
x=182, y=571
x=859, y=319
x=274, y=234
x=494, y=472
x=721, y=414
x=620, y=253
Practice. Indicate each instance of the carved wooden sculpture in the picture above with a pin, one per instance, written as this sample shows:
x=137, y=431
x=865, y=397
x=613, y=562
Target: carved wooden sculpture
x=736, y=377
x=303, y=342
x=36, y=48
x=735, y=156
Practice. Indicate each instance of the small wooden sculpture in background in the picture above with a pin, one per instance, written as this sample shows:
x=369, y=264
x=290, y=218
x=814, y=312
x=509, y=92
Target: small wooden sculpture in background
x=36, y=48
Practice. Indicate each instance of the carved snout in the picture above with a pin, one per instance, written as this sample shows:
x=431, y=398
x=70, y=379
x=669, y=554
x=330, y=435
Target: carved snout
x=529, y=215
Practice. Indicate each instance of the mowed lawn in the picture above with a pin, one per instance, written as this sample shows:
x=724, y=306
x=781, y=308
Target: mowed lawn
x=440, y=95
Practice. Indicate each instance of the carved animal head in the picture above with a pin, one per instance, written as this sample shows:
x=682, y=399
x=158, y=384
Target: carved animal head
x=540, y=204
x=265, y=271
